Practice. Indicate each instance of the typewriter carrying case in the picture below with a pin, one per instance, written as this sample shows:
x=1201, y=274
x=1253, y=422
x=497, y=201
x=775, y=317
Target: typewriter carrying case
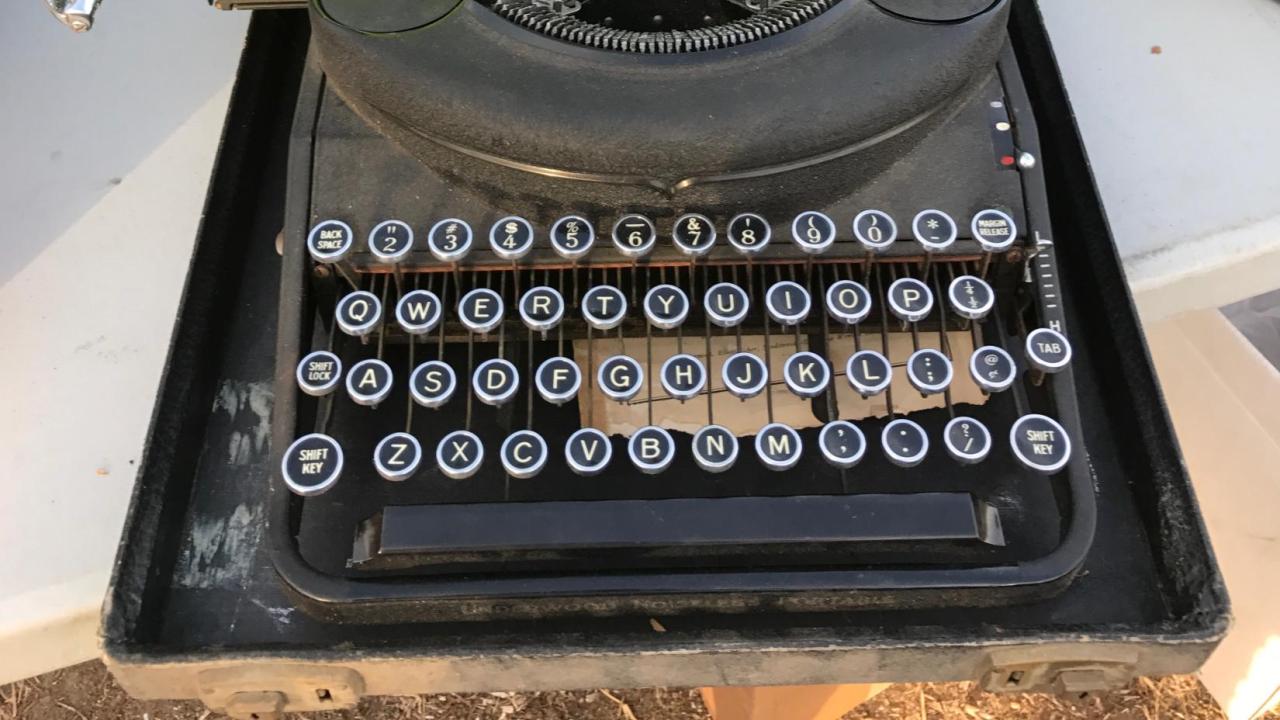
x=197, y=607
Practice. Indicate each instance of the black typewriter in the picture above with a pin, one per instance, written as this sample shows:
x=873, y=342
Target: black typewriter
x=621, y=306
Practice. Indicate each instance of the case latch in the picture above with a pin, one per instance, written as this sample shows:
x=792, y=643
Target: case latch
x=1065, y=670
x=265, y=691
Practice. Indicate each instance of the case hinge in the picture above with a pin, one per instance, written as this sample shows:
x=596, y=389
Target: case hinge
x=1069, y=671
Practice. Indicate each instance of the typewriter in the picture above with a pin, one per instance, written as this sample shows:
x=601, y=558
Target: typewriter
x=624, y=306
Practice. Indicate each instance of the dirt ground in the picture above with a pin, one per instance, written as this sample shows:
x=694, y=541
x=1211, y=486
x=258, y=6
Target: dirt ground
x=87, y=692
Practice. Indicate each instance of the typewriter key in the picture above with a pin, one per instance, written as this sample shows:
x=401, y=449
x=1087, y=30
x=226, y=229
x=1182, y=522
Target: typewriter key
x=749, y=233
x=666, y=306
x=358, y=313
x=541, y=308
x=449, y=240
x=715, y=449
x=813, y=232
x=971, y=297
x=459, y=454
x=588, y=451
x=683, y=376
x=572, y=237
x=1048, y=350
x=397, y=457
x=934, y=229
x=1040, y=443
x=726, y=304
x=495, y=381
x=620, y=377
x=312, y=464
x=693, y=234
x=992, y=368
x=634, y=235
x=604, y=307
x=778, y=446
x=929, y=371
x=869, y=372
x=319, y=373
x=910, y=299
x=787, y=302
x=651, y=449
x=481, y=310
x=369, y=382
x=848, y=302
x=558, y=380
x=875, y=230
x=391, y=240
x=511, y=237
x=967, y=440
x=523, y=454
x=842, y=443
x=330, y=241
x=418, y=312
x=905, y=443
x=994, y=230
x=432, y=384
x=806, y=374
x=744, y=375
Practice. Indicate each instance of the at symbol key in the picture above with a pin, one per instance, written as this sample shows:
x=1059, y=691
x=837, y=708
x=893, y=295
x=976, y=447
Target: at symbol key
x=929, y=371
x=666, y=306
x=1048, y=350
x=358, y=313
x=842, y=443
x=319, y=373
x=523, y=454
x=971, y=297
x=397, y=457
x=967, y=440
x=312, y=464
x=1040, y=443
x=992, y=368
x=459, y=454
x=588, y=452
x=715, y=449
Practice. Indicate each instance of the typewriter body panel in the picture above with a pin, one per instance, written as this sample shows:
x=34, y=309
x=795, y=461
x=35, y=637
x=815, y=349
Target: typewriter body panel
x=444, y=456
x=290, y=585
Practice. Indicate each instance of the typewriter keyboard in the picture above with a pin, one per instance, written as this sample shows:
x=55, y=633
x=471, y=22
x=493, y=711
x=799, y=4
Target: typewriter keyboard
x=558, y=393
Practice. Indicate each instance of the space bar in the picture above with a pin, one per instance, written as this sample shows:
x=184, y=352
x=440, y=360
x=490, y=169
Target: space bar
x=639, y=524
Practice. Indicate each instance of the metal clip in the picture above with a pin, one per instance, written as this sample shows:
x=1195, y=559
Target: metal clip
x=75, y=14
x=560, y=7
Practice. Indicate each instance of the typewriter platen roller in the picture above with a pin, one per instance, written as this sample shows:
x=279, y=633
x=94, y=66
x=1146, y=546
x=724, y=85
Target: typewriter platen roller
x=610, y=307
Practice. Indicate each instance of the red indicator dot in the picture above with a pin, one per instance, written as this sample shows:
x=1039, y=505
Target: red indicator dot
x=1007, y=160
